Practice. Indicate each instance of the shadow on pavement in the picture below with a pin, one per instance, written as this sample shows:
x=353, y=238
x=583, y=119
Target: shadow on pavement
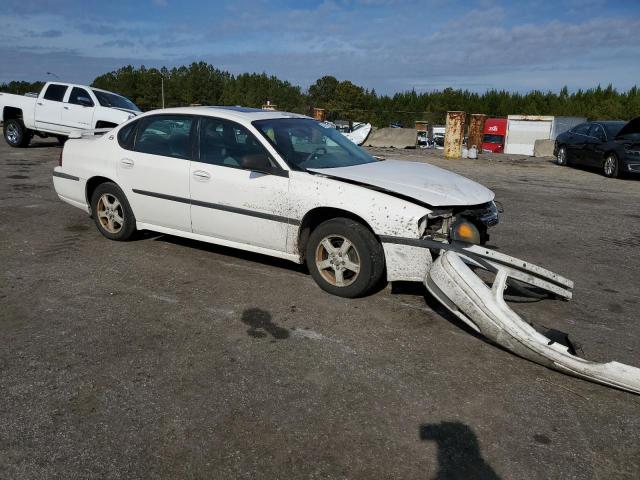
x=459, y=454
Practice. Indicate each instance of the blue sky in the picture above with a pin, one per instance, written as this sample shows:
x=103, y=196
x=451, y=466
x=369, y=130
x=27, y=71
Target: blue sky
x=389, y=45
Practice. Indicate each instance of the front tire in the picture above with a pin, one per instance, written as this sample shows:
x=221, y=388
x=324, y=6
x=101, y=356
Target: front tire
x=610, y=166
x=344, y=258
x=16, y=134
x=111, y=212
x=561, y=157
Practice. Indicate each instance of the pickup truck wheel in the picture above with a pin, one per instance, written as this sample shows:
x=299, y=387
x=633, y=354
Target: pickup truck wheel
x=112, y=213
x=16, y=134
x=344, y=258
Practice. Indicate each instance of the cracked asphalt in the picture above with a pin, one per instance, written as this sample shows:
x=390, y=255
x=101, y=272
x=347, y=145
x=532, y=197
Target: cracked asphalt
x=168, y=358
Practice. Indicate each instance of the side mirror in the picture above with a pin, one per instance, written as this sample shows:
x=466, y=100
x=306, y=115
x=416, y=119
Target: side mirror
x=85, y=101
x=257, y=162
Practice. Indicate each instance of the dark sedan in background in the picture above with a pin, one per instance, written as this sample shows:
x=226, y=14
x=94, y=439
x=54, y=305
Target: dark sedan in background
x=611, y=146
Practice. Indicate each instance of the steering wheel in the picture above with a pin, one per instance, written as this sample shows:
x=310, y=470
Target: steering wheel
x=315, y=153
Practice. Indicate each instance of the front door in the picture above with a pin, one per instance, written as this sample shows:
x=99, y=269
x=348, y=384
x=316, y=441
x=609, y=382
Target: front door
x=155, y=171
x=49, y=109
x=77, y=111
x=232, y=203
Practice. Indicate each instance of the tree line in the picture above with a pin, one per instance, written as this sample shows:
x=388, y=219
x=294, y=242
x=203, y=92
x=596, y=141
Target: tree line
x=202, y=84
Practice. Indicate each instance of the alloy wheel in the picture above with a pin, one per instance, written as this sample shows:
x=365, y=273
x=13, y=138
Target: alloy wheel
x=337, y=260
x=609, y=165
x=110, y=213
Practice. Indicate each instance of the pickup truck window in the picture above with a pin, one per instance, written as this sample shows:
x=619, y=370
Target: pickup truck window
x=166, y=135
x=79, y=96
x=55, y=92
x=111, y=100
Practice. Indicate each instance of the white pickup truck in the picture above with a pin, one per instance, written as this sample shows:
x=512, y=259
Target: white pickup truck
x=60, y=108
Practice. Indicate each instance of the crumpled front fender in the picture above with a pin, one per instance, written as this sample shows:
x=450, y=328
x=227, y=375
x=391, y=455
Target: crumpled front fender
x=484, y=309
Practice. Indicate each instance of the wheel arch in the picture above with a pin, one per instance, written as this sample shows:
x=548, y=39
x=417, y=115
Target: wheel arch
x=93, y=183
x=9, y=113
x=318, y=215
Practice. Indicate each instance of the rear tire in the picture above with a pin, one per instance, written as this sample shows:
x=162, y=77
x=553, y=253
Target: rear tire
x=16, y=134
x=344, y=258
x=611, y=166
x=111, y=212
x=561, y=157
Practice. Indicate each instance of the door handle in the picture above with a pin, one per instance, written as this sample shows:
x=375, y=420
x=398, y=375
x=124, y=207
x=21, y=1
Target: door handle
x=201, y=175
x=65, y=107
x=39, y=103
x=126, y=163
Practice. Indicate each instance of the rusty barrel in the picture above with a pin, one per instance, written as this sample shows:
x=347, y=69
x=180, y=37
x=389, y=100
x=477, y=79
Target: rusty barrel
x=476, y=129
x=453, y=135
x=319, y=114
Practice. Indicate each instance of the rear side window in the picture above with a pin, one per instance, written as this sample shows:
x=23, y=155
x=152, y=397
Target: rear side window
x=127, y=134
x=55, y=92
x=79, y=96
x=582, y=129
x=166, y=135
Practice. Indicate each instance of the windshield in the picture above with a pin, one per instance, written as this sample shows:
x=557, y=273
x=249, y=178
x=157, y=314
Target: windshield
x=305, y=143
x=111, y=100
x=493, y=138
x=613, y=128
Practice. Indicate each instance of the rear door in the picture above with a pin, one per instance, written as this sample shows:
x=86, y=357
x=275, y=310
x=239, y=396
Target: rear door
x=153, y=169
x=230, y=202
x=49, y=109
x=77, y=111
x=577, y=141
x=592, y=151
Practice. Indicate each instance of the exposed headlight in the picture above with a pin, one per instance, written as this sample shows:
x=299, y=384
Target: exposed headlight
x=464, y=231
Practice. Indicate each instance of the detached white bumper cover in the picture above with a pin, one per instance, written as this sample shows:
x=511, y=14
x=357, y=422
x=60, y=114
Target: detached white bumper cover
x=484, y=309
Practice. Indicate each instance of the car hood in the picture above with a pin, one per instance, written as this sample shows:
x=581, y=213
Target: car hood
x=421, y=181
x=632, y=126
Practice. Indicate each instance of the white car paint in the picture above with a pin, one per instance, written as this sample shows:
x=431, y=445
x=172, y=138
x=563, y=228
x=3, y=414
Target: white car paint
x=424, y=182
x=61, y=117
x=359, y=133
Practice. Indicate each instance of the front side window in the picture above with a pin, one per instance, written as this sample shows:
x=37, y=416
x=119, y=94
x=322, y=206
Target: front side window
x=597, y=132
x=305, y=143
x=227, y=143
x=166, y=135
x=55, y=92
x=79, y=96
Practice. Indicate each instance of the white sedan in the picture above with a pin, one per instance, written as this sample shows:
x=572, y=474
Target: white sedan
x=274, y=183
x=285, y=185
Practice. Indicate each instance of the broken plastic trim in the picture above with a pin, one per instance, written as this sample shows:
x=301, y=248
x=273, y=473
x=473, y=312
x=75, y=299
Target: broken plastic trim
x=484, y=309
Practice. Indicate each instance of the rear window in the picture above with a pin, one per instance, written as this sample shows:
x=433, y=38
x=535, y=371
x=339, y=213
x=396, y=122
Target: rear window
x=55, y=92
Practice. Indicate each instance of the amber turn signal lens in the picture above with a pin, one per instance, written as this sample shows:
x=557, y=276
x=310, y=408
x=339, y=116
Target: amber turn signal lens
x=465, y=232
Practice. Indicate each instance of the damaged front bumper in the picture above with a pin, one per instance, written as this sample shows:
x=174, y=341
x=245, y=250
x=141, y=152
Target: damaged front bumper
x=453, y=282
